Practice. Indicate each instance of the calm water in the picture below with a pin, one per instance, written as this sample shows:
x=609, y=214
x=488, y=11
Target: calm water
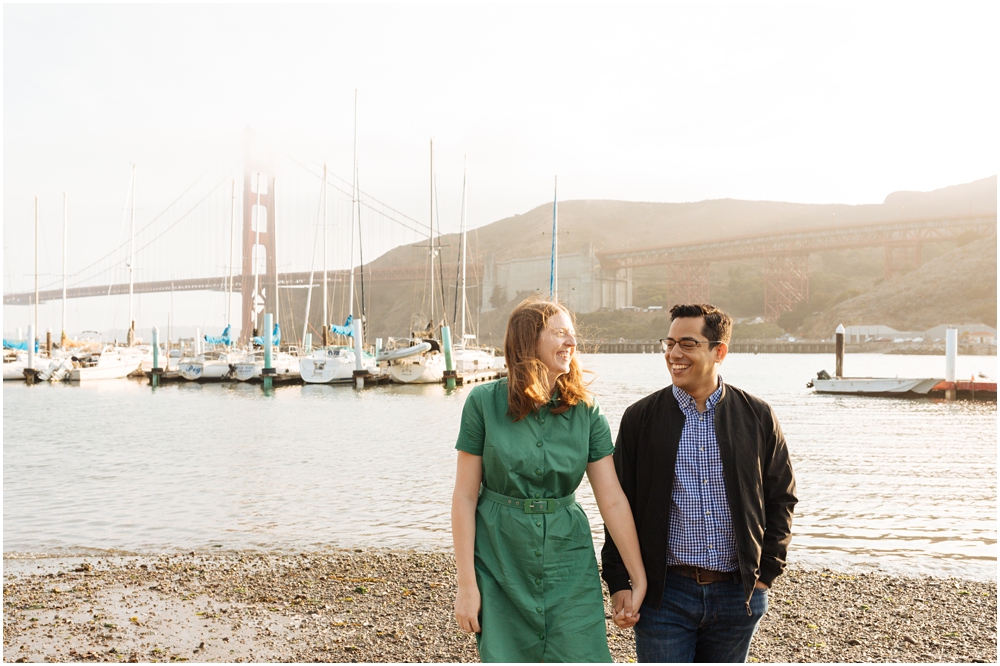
x=899, y=485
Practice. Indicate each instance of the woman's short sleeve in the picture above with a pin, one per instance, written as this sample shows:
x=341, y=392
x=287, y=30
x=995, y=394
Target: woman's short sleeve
x=472, y=434
x=601, y=445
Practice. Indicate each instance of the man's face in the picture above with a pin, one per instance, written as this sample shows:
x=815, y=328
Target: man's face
x=696, y=371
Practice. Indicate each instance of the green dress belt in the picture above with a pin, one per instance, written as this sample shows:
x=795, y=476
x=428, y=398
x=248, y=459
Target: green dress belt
x=544, y=505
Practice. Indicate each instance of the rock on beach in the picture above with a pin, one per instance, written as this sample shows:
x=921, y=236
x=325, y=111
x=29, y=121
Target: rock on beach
x=389, y=606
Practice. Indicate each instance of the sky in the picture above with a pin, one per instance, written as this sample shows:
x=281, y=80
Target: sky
x=835, y=102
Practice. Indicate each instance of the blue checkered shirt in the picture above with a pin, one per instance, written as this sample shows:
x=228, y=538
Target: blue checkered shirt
x=701, y=527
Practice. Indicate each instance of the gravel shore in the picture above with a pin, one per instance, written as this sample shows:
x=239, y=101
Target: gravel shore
x=386, y=606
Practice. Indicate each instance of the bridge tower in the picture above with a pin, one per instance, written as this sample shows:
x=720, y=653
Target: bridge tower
x=260, y=269
x=786, y=283
x=688, y=282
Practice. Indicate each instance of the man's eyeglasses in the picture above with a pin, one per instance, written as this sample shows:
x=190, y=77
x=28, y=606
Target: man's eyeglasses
x=667, y=344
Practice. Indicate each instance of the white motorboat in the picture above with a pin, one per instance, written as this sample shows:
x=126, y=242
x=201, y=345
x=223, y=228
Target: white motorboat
x=110, y=363
x=874, y=385
x=332, y=364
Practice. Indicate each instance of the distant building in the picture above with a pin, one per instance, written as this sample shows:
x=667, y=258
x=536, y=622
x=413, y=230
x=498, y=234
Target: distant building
x=980, y=333
x=970, y=332
x=583, y=286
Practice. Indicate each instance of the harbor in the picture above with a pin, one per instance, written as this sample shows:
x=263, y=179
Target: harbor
x=259, y=515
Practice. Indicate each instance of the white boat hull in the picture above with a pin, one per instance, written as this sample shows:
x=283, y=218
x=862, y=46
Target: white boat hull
x=328, y=366
x=110, y=365
x=244, y=371
x=14, y=371
x=874, y=385
x=423, y=369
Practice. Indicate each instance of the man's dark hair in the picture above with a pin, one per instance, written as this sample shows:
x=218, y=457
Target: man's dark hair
x=718, y=325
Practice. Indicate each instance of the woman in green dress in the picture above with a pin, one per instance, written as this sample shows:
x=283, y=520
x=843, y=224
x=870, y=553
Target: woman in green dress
x=528, y=583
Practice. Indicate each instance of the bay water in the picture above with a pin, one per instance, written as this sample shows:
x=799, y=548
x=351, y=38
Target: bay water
x=895, y=485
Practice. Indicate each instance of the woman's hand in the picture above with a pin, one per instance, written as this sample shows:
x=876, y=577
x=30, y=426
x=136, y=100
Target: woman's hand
x=467, y=603
x=625, y=605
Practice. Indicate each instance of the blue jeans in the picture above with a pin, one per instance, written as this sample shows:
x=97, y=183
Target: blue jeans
x=699, y=623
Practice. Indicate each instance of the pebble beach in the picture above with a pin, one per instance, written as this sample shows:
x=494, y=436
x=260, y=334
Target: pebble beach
x=396, y=606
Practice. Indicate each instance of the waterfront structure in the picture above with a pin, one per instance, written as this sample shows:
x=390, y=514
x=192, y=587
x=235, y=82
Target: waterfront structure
x=584, y=285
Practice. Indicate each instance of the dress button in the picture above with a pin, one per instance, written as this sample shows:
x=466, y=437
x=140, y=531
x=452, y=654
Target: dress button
x=538, y=472
x=542, y=421
x=537, y=496
x=541, y=637
x=538, y=443
x=538, y=609
x=538, y=553
x=538, y=524
x=538, y=581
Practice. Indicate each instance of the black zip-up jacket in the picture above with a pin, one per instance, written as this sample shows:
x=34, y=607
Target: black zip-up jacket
x=760, y=485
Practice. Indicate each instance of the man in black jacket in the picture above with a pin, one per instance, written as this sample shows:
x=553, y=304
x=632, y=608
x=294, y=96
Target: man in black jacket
x=706, y=470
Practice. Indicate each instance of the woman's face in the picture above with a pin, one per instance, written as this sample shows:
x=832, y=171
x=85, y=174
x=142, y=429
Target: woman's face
x=556, y=345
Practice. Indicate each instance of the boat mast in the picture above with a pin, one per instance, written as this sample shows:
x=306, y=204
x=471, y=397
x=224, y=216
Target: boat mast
x=354, y=205
x=256, y=256
x=326, y=298
x=65, y=227
x=32, y=342
x=464, y=188
x=432, y=237
x=131, y=266
x=232, y=240
x=554, y=275
x=274, y=230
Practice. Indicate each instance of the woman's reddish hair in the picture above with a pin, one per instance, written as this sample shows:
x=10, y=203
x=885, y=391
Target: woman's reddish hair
x=526, y=385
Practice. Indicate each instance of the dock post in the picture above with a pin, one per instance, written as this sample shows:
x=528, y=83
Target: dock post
x=449, y=363
x=154, y=375
x=840, y=351
x=951, y=356
x=359, y=370
x=48, y=342
x=307, y=343
x=197, y=341
x=29, y=372
x=268, y=370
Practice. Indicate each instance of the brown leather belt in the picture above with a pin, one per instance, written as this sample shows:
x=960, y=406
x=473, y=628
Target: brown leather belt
x=703, y=576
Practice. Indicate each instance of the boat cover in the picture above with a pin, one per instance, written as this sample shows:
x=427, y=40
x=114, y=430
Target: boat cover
x=346, y=329
x=19, y=344
x=275, y=337
x=221, y=339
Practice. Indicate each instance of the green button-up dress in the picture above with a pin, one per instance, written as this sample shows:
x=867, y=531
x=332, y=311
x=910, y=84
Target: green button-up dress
x=537, y=573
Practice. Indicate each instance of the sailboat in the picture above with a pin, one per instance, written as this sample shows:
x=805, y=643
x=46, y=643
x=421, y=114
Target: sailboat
x=469, y=359
x=401, y=358
x=337, y=363
x=215, y=362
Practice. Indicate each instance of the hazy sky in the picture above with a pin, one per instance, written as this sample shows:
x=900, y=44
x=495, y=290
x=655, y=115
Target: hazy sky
x=808, y=102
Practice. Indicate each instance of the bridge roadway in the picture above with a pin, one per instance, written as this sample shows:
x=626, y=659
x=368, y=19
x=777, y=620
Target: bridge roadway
x=903, y=233
x=299, y=279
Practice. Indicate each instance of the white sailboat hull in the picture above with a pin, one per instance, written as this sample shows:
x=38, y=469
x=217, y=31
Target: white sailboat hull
x=422, y=369
x=327, y=366
x=874, y=385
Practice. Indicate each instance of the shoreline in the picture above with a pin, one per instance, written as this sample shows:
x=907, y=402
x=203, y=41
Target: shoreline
x=368, y=605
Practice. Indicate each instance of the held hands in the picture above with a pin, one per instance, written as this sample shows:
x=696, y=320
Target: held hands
x=467, y=604
x=625, y=605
